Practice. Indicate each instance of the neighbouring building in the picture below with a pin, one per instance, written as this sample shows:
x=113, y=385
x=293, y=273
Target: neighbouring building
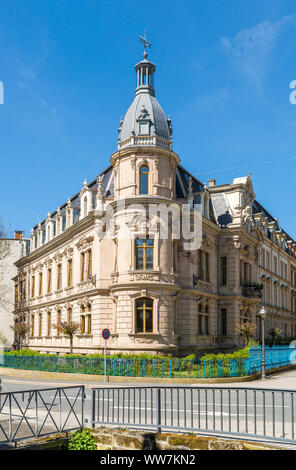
x=154, y=293
x=11, y=249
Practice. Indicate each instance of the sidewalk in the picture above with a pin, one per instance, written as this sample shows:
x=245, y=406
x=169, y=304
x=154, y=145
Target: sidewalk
x=282, y=380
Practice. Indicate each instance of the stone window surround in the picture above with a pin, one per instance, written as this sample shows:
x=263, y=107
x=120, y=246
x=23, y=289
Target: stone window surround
x=155, y=253
x=143, y=162
x=145, y=294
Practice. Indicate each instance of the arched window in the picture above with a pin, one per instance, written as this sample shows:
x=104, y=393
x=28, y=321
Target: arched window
x=144, y=253
x=144, y=179
x=144, y=315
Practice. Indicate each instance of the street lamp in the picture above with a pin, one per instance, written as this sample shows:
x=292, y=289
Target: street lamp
x=262, y=313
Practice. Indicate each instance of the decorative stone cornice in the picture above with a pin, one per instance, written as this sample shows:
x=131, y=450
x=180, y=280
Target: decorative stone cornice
x=142, y=151
x=57, y=241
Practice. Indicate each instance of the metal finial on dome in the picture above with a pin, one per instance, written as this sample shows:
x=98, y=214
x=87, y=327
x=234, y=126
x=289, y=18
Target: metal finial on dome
x=146, y=44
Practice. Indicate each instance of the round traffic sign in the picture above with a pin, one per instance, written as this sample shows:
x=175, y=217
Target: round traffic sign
x=106, y=333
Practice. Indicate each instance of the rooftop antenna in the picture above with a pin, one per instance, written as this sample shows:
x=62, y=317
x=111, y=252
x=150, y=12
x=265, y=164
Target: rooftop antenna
x=146, y=44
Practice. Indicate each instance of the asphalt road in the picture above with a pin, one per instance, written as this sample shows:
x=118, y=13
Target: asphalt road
x=203, y=407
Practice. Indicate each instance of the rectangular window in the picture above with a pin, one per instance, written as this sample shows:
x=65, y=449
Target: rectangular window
x=59, y=276
x=144, y=253
x=69, y=315
x=144, y=315
x=200, y=267
x=263, y=257
x=88, y=324
x=49, y=281
x=247, y=272
x=199, y=325
x=40, y=283
x=32, y=325
x=281, y=269
x=267, y=261
x=82, y=324
x=59, y=319
x=69, y=280
x=223, y=271
x=223, y=321
x=40, y=325
x=82, y=266
x=49, y=324
x=207, y=267
x=89, y=264
x=267, y=298
x=275, y=264
x=33, y=287
x=241, y=272
x=206, y=325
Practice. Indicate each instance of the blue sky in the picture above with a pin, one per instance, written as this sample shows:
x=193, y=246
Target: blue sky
x=223, y=70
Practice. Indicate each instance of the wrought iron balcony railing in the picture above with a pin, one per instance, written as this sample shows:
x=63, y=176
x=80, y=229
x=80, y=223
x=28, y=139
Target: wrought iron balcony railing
x=252, y=289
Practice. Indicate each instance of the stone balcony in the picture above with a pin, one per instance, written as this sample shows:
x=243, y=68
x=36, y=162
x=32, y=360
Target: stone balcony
x=252, y=289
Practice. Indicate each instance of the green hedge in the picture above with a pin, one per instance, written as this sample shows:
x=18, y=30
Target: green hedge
x=133, y=367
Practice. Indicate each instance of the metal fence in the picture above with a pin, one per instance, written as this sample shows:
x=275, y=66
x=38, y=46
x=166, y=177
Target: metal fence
x=40, y=412
x=237, y=412
x=275, y=356
x=131, y=367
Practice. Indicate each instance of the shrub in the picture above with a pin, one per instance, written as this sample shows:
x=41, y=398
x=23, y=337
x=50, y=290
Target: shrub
x=82, y=440
x=240, y=354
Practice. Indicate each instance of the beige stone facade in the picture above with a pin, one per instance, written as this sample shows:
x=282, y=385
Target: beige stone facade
x=101, y=258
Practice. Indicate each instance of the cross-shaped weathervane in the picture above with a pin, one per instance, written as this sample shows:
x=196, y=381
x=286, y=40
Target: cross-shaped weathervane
x=145, y=42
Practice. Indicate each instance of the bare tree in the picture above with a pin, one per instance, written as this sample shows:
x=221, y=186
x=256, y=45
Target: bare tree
x=275, y=334
x=20, y=329
x=247, y=329
x=4, y=252
x=68, y=328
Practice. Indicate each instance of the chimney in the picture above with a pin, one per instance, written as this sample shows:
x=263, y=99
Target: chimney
x=212, y=183
x=18, y=235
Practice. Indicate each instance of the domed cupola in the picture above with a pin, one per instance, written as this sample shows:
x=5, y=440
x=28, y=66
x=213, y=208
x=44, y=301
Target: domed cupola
x=145, y=123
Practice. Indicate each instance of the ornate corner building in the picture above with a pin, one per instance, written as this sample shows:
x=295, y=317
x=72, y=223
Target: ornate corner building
x=153, y=292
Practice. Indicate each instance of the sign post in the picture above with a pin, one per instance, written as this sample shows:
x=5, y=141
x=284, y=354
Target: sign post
x=106, y=336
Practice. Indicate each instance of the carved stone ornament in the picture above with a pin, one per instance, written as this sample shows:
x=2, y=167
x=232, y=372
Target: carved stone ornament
x=143, y=113
x=144, y=340
x=141, y=224
x=39, y=267
x=84, y=302
x=68, y=252
x=144, y=277
x=58, y=257
x=85, y=243
x=112, y=229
